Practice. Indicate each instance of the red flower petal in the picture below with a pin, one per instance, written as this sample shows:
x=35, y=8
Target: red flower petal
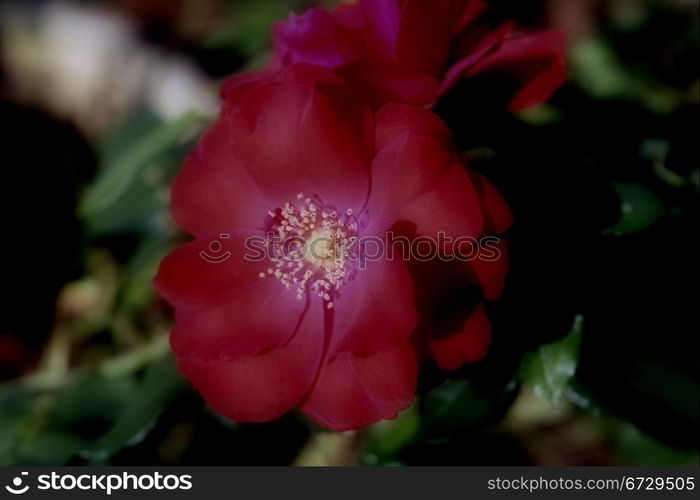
x=399, y=50
x=466, y=11
x=423, y=39
x=313, y=37
x=213, y=272
x=535, y=61
x=415, y=179
x=451, y=208
x=407, y=167
x=350, y=17
x=375, y=311
x=315, y=139
x=395, y=119
x=241, y=83
x=353, y=391
x=213, y=192
x=242, y=325
x=381, y=81
x=491, y=272
x=497, y=215
x=471, y=48
x=381, y=22
x=468, y=345
x=265, y=386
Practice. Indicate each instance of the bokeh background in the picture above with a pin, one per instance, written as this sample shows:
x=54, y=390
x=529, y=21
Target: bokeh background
x=595, y=355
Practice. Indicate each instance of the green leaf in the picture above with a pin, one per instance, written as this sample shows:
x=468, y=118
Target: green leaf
x=657, y=151
x=27, y=430
x=549, y=369
x=248, y=29
x=599, y=71
x=137, y=289
x=123, y=168
x=125, y=135
x=137, y=211
x=640, y=208
x=94, y=398
x=15, y=413
x=49, y=448
x=387, y=437
x=636, y=448
x=543, y=114
x=160, y=385
x=459, y=404
x=596, y=68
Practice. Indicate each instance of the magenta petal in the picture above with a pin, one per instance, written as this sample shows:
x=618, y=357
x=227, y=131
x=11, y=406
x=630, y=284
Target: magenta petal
x=381, y=21
x=352, y=392
x=313, y=37
x=265, y=386
x=376, y=310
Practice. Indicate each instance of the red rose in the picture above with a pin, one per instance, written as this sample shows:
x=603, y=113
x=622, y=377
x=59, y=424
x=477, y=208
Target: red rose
x=413, y=51
x=299, y=156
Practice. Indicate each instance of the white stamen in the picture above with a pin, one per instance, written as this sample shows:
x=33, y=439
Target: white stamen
x=320, y=264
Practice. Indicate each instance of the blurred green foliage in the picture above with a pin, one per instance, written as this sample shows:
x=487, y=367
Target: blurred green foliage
x=86, y=421
x=139, y=144
x=250, y=25
x=548, y=370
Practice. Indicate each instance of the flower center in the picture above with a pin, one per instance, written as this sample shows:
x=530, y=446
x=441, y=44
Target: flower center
x=310, y=244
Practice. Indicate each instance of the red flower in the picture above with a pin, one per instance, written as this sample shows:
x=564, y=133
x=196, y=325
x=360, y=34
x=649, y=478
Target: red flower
x=299, y=156
x=413, y=51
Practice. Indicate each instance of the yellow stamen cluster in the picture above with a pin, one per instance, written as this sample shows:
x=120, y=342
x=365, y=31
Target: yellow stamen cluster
x=309, y=247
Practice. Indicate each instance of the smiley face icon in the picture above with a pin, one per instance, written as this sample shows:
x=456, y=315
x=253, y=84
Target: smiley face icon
x=216, y=247
x=16, y=487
